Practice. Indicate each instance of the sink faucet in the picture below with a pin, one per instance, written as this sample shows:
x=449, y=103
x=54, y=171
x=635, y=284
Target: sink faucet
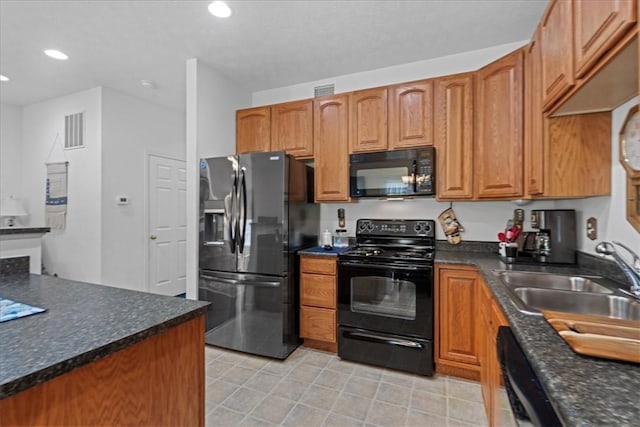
x=632, y=271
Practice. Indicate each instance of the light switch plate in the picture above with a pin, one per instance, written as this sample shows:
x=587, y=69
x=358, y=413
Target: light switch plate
x=592, y=228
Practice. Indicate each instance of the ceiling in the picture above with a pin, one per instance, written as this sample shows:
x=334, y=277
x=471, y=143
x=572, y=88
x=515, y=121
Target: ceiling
x=263, y=45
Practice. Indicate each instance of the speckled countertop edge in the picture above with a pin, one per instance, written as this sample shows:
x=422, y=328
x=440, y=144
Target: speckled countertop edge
x=23, y=230
x=584, y=391
x=34, y=364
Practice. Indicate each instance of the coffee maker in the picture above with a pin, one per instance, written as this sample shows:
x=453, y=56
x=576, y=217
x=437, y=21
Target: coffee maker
x=555, y=241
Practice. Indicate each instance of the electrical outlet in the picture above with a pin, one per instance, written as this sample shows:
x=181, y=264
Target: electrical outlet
x=592, y=228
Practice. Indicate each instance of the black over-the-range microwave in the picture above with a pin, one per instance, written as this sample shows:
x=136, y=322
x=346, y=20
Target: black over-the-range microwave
x=398, y=173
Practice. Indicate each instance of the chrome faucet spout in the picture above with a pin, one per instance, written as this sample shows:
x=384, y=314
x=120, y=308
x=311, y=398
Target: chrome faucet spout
x=632, y=271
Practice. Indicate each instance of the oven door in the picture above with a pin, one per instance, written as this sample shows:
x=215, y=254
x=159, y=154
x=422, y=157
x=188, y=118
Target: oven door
x=386, y=298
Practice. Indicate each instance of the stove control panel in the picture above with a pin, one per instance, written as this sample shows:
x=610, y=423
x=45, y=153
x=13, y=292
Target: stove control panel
x=396, y=227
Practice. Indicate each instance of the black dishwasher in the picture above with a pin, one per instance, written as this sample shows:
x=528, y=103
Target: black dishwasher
x=526, y=396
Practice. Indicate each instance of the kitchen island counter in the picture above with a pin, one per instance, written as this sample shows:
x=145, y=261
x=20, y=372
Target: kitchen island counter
x=86, y=324
x=584, y=390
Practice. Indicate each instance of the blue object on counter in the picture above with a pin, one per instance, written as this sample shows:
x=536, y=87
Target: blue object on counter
x=10, y=310
x=322, y=250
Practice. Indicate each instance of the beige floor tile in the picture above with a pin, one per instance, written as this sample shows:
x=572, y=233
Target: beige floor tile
x=398, y=378
x=362, y=387
x=464, y=390
x=211, y=351
x=238, y=375
x=319, y=397
x=232, y=357
x=244, y=400
x=394, y=394
x=254, y=362
x=369, y=372
x=466, y=411
x=303, y=416
x=317, y=358
x=436, y=384
x=342, y=366
x=385, y=414
x=273, y=409
x=337, y=420
x=290, y=389
x=217, y=368
x=352, y=406
x=305, y=373
x=222, y=416
x=254, y=422
x=425, y=401
x=423, y=419
x=263, y=381
x=331, y=379
x=278, y=367
x=219, y=391
x=456, y=423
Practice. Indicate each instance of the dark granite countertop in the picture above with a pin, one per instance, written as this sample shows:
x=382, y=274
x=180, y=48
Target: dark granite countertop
x=318, y=250
x=83, y=323
x=23, y=230
x=585, y=391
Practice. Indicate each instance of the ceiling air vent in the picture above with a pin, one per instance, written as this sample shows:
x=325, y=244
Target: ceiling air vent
x=324, y=90
x=74, y=131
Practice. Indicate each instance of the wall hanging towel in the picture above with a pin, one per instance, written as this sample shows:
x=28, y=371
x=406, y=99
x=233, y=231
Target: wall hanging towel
x=56, y=202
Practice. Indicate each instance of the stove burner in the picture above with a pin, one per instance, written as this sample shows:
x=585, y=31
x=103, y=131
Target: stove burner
x=366, y=251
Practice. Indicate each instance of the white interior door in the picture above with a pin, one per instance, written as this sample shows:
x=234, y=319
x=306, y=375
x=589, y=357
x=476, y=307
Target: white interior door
x=167, y=226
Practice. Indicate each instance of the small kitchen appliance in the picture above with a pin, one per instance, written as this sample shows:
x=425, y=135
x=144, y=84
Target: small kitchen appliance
x=386, y=295
x=555, y=241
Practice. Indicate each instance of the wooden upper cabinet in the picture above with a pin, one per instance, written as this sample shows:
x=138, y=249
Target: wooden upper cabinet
x=453, y=123
x=533, y=120
x=411, y=115
x=368, y=120
x=599, y=24
x=556, y=43
x=499, y=128
x=292, y=128
x=330, y=134
x=253, y=130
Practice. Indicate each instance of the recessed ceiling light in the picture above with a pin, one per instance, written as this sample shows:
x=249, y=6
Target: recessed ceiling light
x=3, y=78
x=56, y=54
x=220, y=9
x=149, y=84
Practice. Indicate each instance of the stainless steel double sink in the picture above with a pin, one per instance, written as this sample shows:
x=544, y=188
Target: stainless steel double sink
x=532, y=292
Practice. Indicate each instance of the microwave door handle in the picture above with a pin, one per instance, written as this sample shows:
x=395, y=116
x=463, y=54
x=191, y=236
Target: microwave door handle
x=414, y=174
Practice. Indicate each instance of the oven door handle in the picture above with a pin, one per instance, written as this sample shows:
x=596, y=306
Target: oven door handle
x=362, y=336
x=386, y=266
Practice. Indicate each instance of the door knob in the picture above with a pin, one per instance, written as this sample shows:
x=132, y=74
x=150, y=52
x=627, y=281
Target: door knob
x=153, y=237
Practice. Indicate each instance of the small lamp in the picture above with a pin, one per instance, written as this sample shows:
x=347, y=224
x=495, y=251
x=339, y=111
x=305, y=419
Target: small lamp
x=11, y=208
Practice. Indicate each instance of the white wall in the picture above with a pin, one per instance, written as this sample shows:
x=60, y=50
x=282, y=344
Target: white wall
x=611, y=211
x=11, y=154
x=468, y=61
x=131, y=129
x=212, y=100
x=75, y=252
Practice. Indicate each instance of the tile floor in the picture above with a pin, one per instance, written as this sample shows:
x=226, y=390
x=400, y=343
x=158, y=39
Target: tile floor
x=314, y=388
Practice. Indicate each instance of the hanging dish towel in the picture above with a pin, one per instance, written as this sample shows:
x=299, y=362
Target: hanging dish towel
x=10, y=310
x=56, y=203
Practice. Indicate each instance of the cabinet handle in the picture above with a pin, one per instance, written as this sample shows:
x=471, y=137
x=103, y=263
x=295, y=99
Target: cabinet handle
x=153, y=237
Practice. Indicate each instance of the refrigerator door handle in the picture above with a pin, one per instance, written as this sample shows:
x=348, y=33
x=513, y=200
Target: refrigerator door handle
x=233, y=221
x=242, y=211
x=240, y=282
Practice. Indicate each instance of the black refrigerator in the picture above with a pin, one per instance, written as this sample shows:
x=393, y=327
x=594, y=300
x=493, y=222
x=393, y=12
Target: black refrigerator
x=256, y=211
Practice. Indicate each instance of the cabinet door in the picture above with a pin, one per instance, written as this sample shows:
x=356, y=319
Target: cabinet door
x=368, y=120
x=318, y=323
x=411, y=115
x=292, y=128
x=499, y=130
x=458, y=298
x=454, y=136
x=318, y=290
x=330, y=136
x=599, y=24
x=253, y=130
x=556, y=41
x=533, y=121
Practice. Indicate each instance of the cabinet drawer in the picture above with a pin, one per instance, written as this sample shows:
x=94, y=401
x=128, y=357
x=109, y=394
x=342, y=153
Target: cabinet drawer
x=318, y=323
x=320, y=265
x=318, y=290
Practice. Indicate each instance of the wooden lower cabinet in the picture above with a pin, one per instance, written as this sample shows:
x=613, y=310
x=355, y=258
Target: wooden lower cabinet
x=491, y=318
x=318, y=301
x=156, y=382
x=456, y=324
